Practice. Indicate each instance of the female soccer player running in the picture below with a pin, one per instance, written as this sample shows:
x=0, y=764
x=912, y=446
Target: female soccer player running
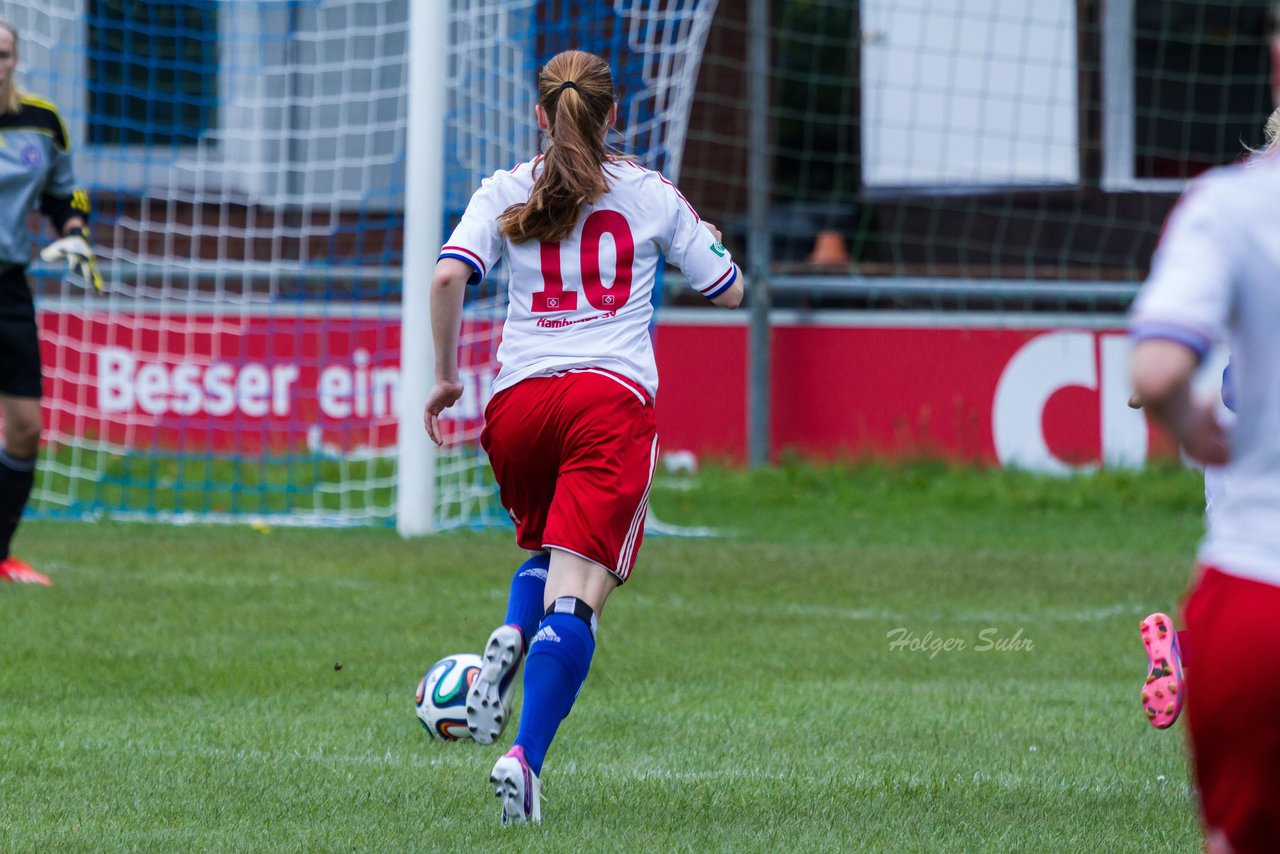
x=570, y=429
x=1164, y=688
x=1213, y=279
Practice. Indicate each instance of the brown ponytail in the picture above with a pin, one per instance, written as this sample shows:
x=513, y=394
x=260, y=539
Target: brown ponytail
x=575, y=89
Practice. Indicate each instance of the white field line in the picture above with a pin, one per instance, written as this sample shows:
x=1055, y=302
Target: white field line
x=944, y=617
x=210, y=579
x=653, y=526
x=804, y=610
x=462, y=756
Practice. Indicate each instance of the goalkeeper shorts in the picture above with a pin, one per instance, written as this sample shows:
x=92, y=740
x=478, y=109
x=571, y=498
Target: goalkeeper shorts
x=574, y=456
x=20, y=374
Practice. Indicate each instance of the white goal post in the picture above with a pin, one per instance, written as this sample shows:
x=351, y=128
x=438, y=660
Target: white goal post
x=423, y=214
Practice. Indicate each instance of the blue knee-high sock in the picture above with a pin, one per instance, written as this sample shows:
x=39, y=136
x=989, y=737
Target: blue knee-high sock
x=558, y=661
x=524, y=605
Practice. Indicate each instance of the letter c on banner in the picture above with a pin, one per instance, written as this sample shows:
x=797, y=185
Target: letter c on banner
x=1045, y=364
x=1054, y=361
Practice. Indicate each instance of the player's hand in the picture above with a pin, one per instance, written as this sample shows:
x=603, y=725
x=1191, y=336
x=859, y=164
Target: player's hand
x=77, y=249
x=715, y=232
x=1203, y=436
x=443, y=394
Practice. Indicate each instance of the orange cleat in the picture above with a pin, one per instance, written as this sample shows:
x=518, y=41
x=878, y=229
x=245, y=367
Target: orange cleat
x=20, y=572
x=1162, y=692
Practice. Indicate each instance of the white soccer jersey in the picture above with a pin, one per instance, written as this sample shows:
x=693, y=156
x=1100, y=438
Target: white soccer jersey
x=1215, y=489
x=586, y=302
x=1216, y=278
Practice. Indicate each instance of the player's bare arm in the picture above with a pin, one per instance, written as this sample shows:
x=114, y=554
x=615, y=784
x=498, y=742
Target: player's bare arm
x=448, y=287
x=1162, y=371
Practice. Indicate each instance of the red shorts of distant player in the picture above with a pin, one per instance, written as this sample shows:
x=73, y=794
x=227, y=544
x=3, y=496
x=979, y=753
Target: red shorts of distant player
x=574, y=456
x=1233, y=707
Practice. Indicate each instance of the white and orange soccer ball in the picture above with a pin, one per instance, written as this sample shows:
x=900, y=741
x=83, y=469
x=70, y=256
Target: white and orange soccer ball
x=442, y=696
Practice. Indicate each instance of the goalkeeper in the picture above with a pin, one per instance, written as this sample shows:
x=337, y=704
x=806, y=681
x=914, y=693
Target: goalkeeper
x=35, y=169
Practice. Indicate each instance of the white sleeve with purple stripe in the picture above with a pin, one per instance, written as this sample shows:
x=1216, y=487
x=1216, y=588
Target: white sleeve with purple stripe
x=476, y=241
x=704, y=261
x=1187, y=297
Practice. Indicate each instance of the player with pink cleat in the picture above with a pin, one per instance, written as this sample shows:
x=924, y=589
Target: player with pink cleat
x=1213, y=282
x=570, y=431
x=1164, y=689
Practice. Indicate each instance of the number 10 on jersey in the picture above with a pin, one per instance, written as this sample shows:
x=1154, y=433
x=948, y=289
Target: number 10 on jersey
x=554, y=297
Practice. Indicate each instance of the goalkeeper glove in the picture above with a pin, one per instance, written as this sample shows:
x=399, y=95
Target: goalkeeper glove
x=77, y=249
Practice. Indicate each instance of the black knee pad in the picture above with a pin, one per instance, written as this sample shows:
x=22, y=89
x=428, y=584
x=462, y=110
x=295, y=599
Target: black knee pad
x=574, y=605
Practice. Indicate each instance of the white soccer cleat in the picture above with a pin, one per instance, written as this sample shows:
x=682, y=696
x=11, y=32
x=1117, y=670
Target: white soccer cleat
x=489, y=700
x=518, y=788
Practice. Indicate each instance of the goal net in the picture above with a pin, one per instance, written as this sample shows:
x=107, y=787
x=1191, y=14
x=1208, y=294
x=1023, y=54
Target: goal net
x=1001, y=156
x=1008, y=159
x=247, y=165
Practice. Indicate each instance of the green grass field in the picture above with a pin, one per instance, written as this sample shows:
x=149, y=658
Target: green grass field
x=178, y=689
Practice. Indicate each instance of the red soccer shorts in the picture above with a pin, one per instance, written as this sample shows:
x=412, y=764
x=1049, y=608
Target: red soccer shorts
x=1233, y=707
x=574, y=456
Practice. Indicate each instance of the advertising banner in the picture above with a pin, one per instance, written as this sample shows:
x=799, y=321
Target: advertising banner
x=1050, y=399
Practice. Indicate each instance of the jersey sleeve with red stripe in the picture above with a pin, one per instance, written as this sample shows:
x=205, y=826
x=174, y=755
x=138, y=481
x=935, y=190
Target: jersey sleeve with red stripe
x=706, y=264
x=1187, y=297
x=476, y=241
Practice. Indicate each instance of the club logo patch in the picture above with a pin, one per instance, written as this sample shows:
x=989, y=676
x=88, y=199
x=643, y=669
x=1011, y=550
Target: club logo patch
x=31, y=155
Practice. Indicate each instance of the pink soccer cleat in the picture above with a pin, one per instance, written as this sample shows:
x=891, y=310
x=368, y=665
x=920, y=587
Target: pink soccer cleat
x=517, y=787
x=1162, y=693
x=20, y=572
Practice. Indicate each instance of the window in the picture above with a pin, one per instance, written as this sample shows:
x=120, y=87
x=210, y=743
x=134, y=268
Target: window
x=1186, y=87
x=969, y=93
x=152, y=71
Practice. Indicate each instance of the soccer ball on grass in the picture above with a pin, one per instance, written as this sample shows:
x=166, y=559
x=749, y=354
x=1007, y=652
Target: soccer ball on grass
x=442, y=696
